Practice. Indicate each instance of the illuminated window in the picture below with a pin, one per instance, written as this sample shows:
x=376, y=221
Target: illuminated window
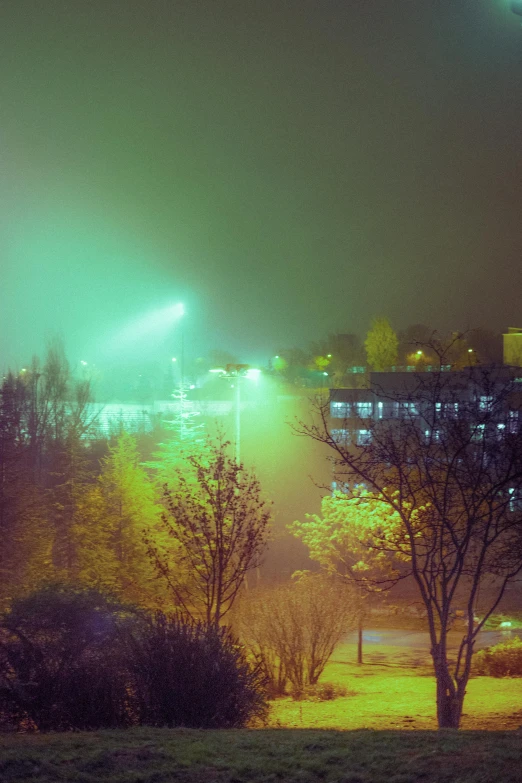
x=363, y=437
x=364, y=409
x=515, y=499
x=501, y=430
x=340, y=436
x=477, y=432
x=486, y=402
x=340, y=486
x=408, y=409
x=380, y=407
x=339, y=410
x=451, y=409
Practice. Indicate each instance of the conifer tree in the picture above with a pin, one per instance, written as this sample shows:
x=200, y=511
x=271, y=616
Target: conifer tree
x=130, y=511
x=185, y=437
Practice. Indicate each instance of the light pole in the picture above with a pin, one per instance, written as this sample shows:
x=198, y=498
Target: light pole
x=237, y=372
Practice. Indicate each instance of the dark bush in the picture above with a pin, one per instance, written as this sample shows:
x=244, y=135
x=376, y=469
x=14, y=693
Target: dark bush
x=502, y=660
x=62, y=662
x=194, y=674
x=72, y=659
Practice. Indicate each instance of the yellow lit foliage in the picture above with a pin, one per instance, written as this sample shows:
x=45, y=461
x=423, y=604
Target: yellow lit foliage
x=358, y=535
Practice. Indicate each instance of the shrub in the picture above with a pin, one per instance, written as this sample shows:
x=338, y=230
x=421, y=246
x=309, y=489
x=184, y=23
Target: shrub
x=294, y=628
x=502, y=660
x=73, y=659
x=62, y=662
x=194, y=674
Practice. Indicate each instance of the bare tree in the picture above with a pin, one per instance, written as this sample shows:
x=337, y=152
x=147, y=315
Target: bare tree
x=294, y=628
x=219, y=528
x=448, y=462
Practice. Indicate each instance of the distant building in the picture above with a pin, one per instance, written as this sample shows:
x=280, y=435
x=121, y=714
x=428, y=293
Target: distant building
x=354, y=413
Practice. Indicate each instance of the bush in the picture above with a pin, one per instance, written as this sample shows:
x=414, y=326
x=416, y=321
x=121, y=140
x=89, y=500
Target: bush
x=62, y=662
x=294, y=628
x=72, y=659
x=195, y=675
x=502, y=660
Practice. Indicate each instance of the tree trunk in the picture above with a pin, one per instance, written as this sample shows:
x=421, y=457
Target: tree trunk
x=449, y=703
x=450, y=693
x=360, y=641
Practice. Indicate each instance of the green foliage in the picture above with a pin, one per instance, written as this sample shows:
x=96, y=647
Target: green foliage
x=502, y=660
x=349, y=537
x=24, y=532
x=128, y=511
x=381, y=345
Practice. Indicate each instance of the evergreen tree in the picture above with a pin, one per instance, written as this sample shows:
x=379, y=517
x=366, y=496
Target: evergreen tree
x=130, y=511
x=24, y=547
x=185, y=437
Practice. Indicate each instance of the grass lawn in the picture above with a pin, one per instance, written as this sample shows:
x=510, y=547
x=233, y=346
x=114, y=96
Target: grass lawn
x=262, y=756
x=395, y=689
x=306, y=741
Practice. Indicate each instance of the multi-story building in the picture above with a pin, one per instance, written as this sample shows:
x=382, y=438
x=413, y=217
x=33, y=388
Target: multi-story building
x=480, y=394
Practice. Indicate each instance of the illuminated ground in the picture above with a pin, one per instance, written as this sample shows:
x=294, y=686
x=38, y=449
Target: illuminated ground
x=394, y=689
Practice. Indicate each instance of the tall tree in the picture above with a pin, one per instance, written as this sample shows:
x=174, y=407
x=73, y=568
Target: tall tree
x=381, y=345
x=220, y=526
x=184, y=437
x=337, y=355
x=129, y=510
x=450, y=467
x=24, y=548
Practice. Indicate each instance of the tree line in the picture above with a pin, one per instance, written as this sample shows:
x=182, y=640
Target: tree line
x=178, y=529
x=345, y=358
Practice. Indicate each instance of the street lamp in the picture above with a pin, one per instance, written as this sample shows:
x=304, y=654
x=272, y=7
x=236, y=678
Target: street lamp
x=237, y=372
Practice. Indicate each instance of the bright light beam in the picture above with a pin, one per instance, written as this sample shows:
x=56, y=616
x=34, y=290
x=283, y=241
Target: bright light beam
x=155, y=324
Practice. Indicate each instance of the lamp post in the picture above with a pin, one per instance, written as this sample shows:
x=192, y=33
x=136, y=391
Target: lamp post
x=237, y=372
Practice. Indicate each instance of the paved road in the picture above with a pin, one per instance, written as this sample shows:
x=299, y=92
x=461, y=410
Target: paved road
x=419, y=640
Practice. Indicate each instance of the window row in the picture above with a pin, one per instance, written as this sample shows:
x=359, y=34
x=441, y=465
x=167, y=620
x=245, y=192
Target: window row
x=346, y=437
x=405, y=409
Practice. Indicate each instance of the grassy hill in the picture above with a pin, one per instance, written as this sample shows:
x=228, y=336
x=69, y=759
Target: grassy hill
x=262, y=756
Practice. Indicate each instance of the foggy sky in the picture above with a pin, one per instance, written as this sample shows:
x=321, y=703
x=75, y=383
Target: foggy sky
x=283, y=168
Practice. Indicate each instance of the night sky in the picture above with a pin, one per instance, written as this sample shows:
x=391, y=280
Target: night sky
x=285, y=169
